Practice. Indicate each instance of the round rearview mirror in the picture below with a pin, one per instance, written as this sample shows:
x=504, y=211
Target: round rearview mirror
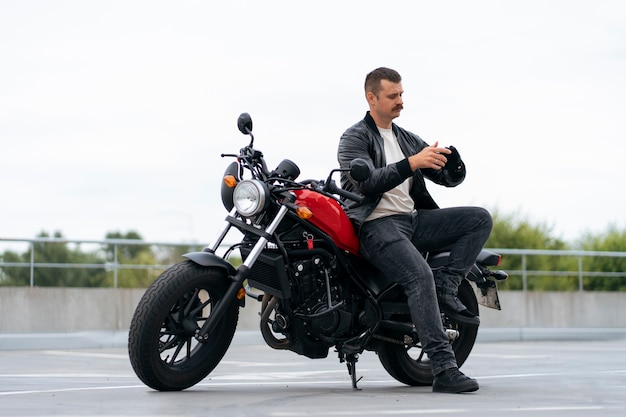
x=244, y=123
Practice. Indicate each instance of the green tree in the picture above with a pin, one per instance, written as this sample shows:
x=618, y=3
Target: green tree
x=54, y=253
x=129, y=251
x=514, y=232
x=131, y=254
x=14, y=276
x=612, y=240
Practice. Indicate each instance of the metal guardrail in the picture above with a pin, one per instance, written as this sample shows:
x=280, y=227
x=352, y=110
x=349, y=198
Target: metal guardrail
x=578, y=254
x=115, y=266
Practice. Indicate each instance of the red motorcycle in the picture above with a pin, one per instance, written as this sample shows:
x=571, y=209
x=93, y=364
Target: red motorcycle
x=301, y=262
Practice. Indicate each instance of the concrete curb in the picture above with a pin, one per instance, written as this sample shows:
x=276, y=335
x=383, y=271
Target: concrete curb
x=523, y=334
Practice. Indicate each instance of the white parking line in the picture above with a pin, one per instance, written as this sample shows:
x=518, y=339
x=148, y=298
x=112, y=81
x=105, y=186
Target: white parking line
x=86, y=354
x=432, y=411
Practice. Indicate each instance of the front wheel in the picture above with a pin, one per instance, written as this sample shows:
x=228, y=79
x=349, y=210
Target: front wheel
x=410, y=364
x=163, y=351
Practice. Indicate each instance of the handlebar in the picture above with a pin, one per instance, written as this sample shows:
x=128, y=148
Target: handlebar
x=254, y=160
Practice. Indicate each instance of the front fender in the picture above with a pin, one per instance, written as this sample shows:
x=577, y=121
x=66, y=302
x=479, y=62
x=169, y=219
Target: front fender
x=210, y=259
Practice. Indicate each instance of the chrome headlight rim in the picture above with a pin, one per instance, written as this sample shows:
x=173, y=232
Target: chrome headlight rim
x=251, y=197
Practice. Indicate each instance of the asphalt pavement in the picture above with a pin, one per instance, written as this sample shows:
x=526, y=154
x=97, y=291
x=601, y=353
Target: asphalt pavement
x=521, y=378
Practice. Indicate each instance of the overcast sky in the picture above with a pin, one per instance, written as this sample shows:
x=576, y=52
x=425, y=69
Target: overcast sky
x=113, y=114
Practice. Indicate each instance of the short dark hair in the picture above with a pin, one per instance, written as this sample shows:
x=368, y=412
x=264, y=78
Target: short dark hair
x=372, y=80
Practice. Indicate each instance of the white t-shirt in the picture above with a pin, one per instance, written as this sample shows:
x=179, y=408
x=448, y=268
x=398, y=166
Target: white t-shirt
x=397, y=200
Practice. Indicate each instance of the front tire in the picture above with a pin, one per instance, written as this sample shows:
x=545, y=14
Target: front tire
x=163, y=350
x=410, y=365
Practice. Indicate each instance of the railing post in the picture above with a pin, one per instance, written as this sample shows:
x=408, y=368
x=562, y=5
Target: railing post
x=115, y=265
x=32, y=264
x=524, y=274
x=580, y=273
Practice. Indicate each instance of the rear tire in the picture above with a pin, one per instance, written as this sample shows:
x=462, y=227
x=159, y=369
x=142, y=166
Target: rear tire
x=163, y=350
x=410, y=364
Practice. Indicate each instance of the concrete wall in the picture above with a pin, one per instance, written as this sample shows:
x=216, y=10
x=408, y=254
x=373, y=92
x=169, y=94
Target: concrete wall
x=558, y=310
x=66, y=310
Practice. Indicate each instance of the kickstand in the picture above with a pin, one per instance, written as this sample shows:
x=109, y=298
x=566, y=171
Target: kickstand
x=351, y=360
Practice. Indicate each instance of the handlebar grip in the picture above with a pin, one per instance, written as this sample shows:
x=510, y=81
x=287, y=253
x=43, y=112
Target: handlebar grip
x=332, y=188
x=350, y=196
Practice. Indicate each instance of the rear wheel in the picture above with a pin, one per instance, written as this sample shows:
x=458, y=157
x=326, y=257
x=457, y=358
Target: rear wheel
x=410, y=364
x=163, y=350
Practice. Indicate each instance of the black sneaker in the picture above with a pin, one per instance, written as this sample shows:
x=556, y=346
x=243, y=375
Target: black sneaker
x=450, y=305
x=454, y=381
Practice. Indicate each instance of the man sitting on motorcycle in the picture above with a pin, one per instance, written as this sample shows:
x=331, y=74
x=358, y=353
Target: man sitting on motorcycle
x=399, y=220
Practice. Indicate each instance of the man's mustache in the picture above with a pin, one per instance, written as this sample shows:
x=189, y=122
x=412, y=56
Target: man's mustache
x=400, y=107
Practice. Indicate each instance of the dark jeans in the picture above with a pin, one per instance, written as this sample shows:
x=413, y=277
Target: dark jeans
x=393, y=244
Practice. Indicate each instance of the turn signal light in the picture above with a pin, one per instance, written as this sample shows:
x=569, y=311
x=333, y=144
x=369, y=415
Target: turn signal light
x=304, y=213
x=241, y=293
x=230, y=181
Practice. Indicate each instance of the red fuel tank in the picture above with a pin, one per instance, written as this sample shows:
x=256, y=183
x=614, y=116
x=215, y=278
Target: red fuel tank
x=329, y=217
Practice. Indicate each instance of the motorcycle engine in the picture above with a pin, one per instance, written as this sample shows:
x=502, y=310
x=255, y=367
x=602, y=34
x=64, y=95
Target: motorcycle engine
x=317, y=297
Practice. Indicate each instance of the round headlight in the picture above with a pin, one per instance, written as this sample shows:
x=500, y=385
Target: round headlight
x=250, y=197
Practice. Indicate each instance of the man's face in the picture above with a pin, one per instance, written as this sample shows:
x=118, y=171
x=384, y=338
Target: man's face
x=388, y=104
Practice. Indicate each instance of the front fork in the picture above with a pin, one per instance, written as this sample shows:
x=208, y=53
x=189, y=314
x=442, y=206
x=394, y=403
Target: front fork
x=242, y=272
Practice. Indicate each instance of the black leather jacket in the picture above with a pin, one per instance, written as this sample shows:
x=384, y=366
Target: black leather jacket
x=364, y=141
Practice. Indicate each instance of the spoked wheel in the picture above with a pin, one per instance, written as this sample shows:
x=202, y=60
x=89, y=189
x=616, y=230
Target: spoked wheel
x=163, y=350
x=410, y=364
